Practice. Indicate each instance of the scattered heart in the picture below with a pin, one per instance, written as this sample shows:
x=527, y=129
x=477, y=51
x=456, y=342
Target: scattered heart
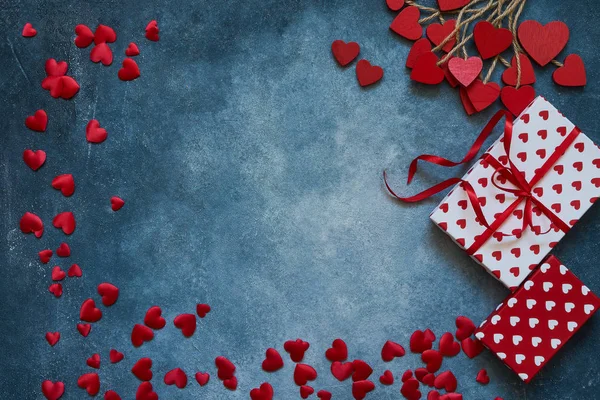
x=142, y=369
x=272, y=361
x=129, y=71
x=38, y=121
x=52, y=338
x=406, y=23
x=74, y=271
x=344, y=53
x=28, y=31
x=90, y=382
x=115, y=356
x=88, y=311
x=132, y=50
x=65, y=221
x=368, y=74
x=141, y=334
x=176, y=377
x=296, y=349
x=94, y=361
x=94, y=133
x=34, y=159
x=152, y=31
x=153, y=318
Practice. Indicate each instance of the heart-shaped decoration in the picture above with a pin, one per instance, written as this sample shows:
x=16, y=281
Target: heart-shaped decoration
x=264, y=392
x=437, y=33
x=361, y=388
x=38, y=121
x=448, y=346
x=391, y=350
x=543, y=42
x=509, y=76
x=52, y=338
x=421, y=341
x=94, y=133
x=446, y=380
x=129, y=71
x=482, y=95
x=465, y=71
x=84, y=37
x=145, y=392
x=491, y=41
x=230, y=383
x=304, y=373
x=410, y=389
x=65, y=221
x=449, y=5
x=94, y=361
x=141, y=334
x=202, y=310
x=466, y=102
x=368, y=74
x=55, y=68
x=344, y=53
x=104, y=34
x=69, y=87
x=90, y=382
x=362, y=370
x=517, y=100
x=45, y=256
x=115, y=356
x=306, y=391
x=84, y=329
x=426, y=70
x=324, y=395
x=387, y=378
x=406, y=23
x=338, y=351
x=225, y=368
x=394, y=5
x=572, y=73
x=65, y=183
x=296, y=348
x=28, y=31
x=88, y=311
x=153, y=318
x=420, y=47
x=63, y=250
x=111, y=395
x=56, y=289
x=102, y=53
x=482, y=377
x=34, y=159
x=116, y=203
x=433, y=359
x=152, y=31
x=472, y=348
x=132, y=50
x=464, y=327
x=341, y=370
x=272, y=361
x=176, y=377
x=74, y=271
x=58, y=274
x=31, y=223
x=109, y=293
x=142, y=369
x=53, y=390
x=202, y=378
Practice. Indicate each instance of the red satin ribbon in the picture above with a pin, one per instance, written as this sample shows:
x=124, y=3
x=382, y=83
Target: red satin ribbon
x=522, y=188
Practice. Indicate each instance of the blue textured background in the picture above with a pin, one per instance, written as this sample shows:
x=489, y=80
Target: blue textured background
x=251, y=166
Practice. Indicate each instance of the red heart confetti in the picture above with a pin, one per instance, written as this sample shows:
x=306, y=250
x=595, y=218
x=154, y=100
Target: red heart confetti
x=406, y=23
x=344, y=53
x=28, y=30
x=53, y=390
x=472, y=348
x=176, y=377
x=102, y=53
x=142, y=369
x=130, y=70
x=84, y=37
x=111, y=395
x=132, y=50
x=272, y=361
x=464, y=328
x=152, y=31
x=141, y=334
x=225, y=368
x=338, y=351
x=94, y=133
x=115, y=356
x=153, y=318
x=391, y=350
x=446, y=380
x=109, y=293
x=58, y=274
x=65, y=221
x=202, y=310
x=362, y=370
x=410, y=389
x=304, y=373
x=38, y=121
x=419, y=342
x=324, y=395
x=202, y=378
x=509, y=76
x=482, y=377
x=145, y=392
x=433, y=359
x=368, y=74
x=187, y=324
x=52, y=338
x=572, y=73
x=387, y=378
x=296, y=349
x=34, y=159
x=31, y=223
x=116, y=203
x=264, y=392
x=449, y=347
x=491, y=41
x=74, y=271
x=84, y=329
x=90, y=382
x=94, y=361
x=45, y=256
x=543, y=42
x=361, y=388
x=306, y=391
x=88, y=311
x=341, y=371
x=63, y=250
x=104, y=34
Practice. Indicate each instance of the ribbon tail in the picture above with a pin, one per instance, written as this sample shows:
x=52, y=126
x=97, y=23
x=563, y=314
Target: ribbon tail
x=424, y=194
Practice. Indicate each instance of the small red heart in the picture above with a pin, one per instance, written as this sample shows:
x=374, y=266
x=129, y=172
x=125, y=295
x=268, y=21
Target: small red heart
x=578, y=165
x=420, y=373
x=306, y=391
x=524, y=137
x=63, y=250
x=410, y=389
x=304, y=373
x=406, y=23
x=230, y=383
x=576, y=185
x=142, y=369
x=509, y=76
x=152, y=31
x=225, y=368
x=516, y=252
x=394, y=5
x=28, y=30
x=70, y=87
x=53, y=390
x=446, y=380
x=433, y=359
x=45, y=256
x=491, y=41
x=58, y=274
x=55, y=68
x=38, y=121
x=419, y=342
x=579, y=146
x=153, y=318
x=341, y=370
x=361, y=388
x=52, y=338
x=572, y=73
x=465, y=71
x=338, y=351
x=202, y=378
x=272, y=361
x=324, y=395
x=437, y=33
x=90, y=382
x=115, y=356
x=296, y=349
x=176, y=377
x=471, y=347
x=449, y=5
x=543, y=42
x=130, y=70
x=202, y=310
x=368, y=74
x=465, y=328
x=65, y=221
x=65, y=183
x=132, y=50
x=94, y=361
x=116, y=203
x=88, y=311
x=448, y=346
x=109, y=293
x=576, y=204
x=517, y=100
x=102, y=53
x=84, y=329
x=420, y=47
x=84, y=37
x=483, y=95
x=111, y=395
x=141, y=334
x=482, y=377
x=387, y=378
x=145, y=392
x=56, y=289
x=426, y=70
x=93, y=132
x=74, y=271
x=407, y=375
x=391, y=350
x=264, y=392
x=344, y=53
x=557, y=188
x=34, y=159
x=104, y=34
x=362, y=370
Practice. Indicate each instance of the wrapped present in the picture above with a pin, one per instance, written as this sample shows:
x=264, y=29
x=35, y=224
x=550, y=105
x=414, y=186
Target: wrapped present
x=535, y=321
x=522, y=195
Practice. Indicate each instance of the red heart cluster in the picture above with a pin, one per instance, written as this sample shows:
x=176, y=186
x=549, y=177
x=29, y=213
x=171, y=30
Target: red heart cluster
x=344, y=53
x=57, y=81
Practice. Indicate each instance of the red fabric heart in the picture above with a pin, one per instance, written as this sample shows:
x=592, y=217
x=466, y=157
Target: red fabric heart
x=84, y=37
x=115, y=356
x=394, y=5
x=111, y=395
x=104, y=34
x=437, y=33
x=38, y=121
x=130, y=70
x=368, y=74
x=145, y=392
x=433, y=359
x=426, y=70
x=272, y=361
x=482, y=377
x=449, y=347
x=483, y=95
x=543, y=42
x=391, y=350
x=54, y=84
x=176, y=377
x=55, y=68
x=491, y=41
x=31, y=223
x=225, y=368
x=152, y=31
x=420, y=47
x=362, y=370
x=58, y=274
x=94, y=361
x=28, y=30
x=66, y=184
x=74, y=271
x=102, y=53
x=132, y=50
x=52, y=338
x=341, y=371
x=187, y=324
x=90, y=382
x=306, y=391
x=296, y=349
x=419, y=342
x=387, y=378
x=344, y=53
x=45, y=256
x=230, y=383
x=407, y=375
x=142, y=369
x=472, y=348
x=433, y=395
x=572, y=73
x=116, y=203
x=449, y=5
x=509, y=76
x=70, y=87
x=153, y=318
x=338, y=351
x=324, y=395
x=465, y=71
x=141, y=334
x=202, y=378
x=304, y=373
x=88, y=311
x=464, y=328
x=446, y=380
x=361, y=388
x=34, y=159
x=264, y=392
x=53, y=390
x=84, y=329
x=202, y=310
x=410, y=389
x=65, y=221
x=516, y=100
x=406, y=23
x=109, y=293
x=56, y=289
x=63, y=250
x=93, y=132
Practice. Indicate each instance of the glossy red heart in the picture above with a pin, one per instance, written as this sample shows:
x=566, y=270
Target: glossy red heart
x=225, y=368
x=437, y=33
x=38, y=121
x=230, y=383
x=324, y=395
x=132, y=50
x=304, y=373
x=264, y=392
x=84, y=37
x=418, y=48
x=45, y=256
x=28, y=30
x=53, y=390
x=464, y=327
x=104, y=34
x=368, y=74
x=387, y=378
x=66, y=184
x=361, y=388
x=88, y=311
x=31, y=223
x=202, y=310
x=391, y=350
x=344, y=53
x=84, y=329
x=517, y=100
x=465, y=71
x=362, y=370
x=153, y=318
x=111, y=395
x=94, y=361
x=152, y=31
x=491, y=41
x=142, y=369
x=543, y=42
x=419, y=342
x=446, y=380
x=426, y=70
x=572, y=73
x=472, y=348
x=116, y=203
x=74, y=271
x=63, y=250
x=338, y=351
x=306, y=391
x=449, y=5
x=296, y=349
x=34, y=159
x=406, y=23
x=394, y=5
x=509, y=76
x=101, y=53
x=52, y=338
x=449, y=347
x=90, y=382
x=141, y=334
x=94, y=133
x=55, y=68
x=272, y=361
x=202, y=378
x=482, y=377
x=109, y=293
x=65, y=221
x=70, y=87
x=483, y=95
x=341, y=370
x=187, y=324
x=115, y=356
x=129, y=71
x=145, y=392
x=433, y=359
x=58, y=274
x=176, y=377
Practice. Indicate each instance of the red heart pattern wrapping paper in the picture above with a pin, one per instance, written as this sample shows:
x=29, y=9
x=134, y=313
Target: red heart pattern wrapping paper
x=532, y=324
x=569, y=188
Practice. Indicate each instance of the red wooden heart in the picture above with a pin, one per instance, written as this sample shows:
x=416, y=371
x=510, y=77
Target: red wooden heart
x=482, y=377
x=449, y=77
x=152, y=31
x=426, y=70
x=132, y=50
x=93, y=132
x=176, y=377
x=65, y=183
x=368, y=74
x=394, y=5
x=101, y=53
x=491, y=41
x=509, y=76
x=38, y=121
x=153, y=318
x=448, y=5
x=272, y=361
x=437, y=33
x=483, y=95
x=29, y=31
x=421, y=46
x=187, y=324
x=516, y=100
x=466, y=102
x=104, y=34
x=53, y=390
x=130, y=70
x=572, y=73
x=65, y=221
x=34, y=159
x=543, y=42
x=406, y=23
x=344, y=53
x=84, y=37
x=109, y=293
x=88, y=311
x=116, y=203
x=141, y=334
x=465, y=71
